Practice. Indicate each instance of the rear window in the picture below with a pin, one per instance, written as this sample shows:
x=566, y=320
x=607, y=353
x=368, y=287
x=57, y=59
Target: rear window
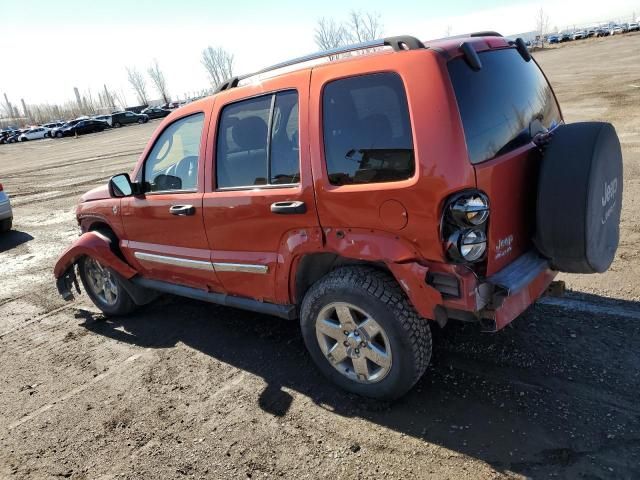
x=367, y=132
x=504, y=104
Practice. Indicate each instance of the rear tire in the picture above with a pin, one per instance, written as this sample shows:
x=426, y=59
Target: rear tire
x=58, y=134
x=394, y=350
x=117, y=125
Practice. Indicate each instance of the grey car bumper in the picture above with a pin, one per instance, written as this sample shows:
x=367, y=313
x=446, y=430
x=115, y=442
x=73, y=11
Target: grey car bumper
x=5, y=209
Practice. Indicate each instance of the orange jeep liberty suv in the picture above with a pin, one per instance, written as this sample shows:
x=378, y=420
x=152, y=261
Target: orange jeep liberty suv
x=365, y=191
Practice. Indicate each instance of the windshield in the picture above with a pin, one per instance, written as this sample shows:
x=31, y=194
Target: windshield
x=503, y=105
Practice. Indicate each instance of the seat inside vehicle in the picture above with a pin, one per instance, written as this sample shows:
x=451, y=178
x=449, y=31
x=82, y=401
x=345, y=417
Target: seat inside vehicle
x=244, y=162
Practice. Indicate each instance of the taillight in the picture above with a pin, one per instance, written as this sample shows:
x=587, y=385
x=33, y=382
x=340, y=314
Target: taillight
x=464, y=226
x=1, y=187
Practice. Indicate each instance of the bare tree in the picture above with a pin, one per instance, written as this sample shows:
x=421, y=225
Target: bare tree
x=219, y=64
x=329, y=34
x=138, y=84
x=363, y=26
x=157, y=77
x=447, y=31
x=542, y=24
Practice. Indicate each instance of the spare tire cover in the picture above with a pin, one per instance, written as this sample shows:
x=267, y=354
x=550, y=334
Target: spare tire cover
x=580, y=198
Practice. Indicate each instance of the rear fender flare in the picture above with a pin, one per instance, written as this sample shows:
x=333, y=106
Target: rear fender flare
x=363, y=245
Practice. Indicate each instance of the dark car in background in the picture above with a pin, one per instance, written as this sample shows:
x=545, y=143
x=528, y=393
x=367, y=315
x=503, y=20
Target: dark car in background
x=13, y=136
x=83, y=127
x=103, y=118
x=119, y=119
x=155, y=112
x=57, y=132
x=5, y=134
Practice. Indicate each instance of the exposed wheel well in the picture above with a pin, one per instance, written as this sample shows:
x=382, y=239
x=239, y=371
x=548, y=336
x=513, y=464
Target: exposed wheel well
x=108, y=232
x=314, y=266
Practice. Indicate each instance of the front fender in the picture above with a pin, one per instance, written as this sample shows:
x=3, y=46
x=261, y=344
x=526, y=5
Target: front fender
x=91, y=244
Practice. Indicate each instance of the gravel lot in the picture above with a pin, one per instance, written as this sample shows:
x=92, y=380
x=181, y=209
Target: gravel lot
x=187, y=389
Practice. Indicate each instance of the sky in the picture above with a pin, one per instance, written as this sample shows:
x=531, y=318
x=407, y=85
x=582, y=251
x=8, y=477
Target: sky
x=50, y=46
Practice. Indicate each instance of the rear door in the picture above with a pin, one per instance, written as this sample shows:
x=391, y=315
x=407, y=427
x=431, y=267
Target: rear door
x=502, y=107
x=261, y=200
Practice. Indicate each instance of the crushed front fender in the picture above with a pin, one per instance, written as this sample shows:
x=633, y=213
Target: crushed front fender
x=90, y=244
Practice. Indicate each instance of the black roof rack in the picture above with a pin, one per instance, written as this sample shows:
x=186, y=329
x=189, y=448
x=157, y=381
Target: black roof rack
x=488, y=33
x=398, y=43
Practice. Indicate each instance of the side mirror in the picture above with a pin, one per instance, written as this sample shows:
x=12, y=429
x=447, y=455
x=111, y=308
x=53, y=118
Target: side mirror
x=120, y=186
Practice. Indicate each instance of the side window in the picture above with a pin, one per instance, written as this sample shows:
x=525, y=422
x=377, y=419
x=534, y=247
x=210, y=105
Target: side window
x=367, y=131
x=173, y=161
x=257, y=142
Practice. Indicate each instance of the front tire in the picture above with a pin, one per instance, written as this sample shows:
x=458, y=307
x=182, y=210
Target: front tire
x=104, y=288
x=363, y=333
x=58, y=134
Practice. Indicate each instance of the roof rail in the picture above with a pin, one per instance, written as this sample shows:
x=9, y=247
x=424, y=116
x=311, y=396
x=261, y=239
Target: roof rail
x=398, y=43
x=226, y=85
x=487, y=33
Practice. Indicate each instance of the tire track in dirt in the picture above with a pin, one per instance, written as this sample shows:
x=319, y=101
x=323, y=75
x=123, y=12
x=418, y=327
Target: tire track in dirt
x=77, y=390
x=37, y=319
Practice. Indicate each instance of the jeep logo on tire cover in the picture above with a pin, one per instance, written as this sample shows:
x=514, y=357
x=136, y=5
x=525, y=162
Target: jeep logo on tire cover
x=610, y=190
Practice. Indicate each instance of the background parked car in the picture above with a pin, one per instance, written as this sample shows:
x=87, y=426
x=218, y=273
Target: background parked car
x=5, y=134
x=119, y=119
x=156, y=112
x=35, y=133
x=13, y=137
x=6, y=214
x=104, y=118
x=634, y=27
x=56, y=132
x=553, y=39
x=83, y=127
x=616, y=30
x=50, y=126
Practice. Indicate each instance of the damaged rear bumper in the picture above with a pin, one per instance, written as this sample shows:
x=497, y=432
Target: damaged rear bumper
x=513, y=289
x=495, y=301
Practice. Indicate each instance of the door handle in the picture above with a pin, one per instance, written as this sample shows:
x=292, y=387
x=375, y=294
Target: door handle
x=182, y=210
x=288, y=208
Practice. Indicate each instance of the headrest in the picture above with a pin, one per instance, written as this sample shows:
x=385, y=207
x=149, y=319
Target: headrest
x=250, y=133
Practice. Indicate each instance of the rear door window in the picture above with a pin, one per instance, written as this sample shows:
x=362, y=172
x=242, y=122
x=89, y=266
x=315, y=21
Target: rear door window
x=258, y=142
x=367, y=131
x=504, y=104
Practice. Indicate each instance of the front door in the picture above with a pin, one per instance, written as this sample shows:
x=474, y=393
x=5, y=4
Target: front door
x=260, y=204
x=164, y=226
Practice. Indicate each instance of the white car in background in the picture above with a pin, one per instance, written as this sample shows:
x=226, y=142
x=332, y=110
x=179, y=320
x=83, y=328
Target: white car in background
x=6, y=214
x=35, y=133
x=616, y=30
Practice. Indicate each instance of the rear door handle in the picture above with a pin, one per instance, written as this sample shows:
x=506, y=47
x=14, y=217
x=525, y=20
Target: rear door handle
x=288, y=208
x=182, y=210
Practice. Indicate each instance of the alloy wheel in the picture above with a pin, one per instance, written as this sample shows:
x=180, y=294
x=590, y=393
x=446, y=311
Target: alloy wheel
x=353, y=342
x=101, y=281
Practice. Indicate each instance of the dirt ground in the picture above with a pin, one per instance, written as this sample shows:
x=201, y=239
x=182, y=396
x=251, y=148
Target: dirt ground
x=187, y=389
